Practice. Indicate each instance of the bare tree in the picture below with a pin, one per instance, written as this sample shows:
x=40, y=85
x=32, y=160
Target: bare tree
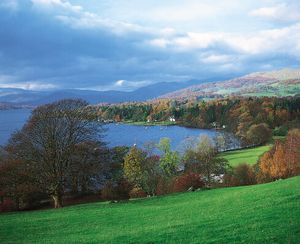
x=50, y=139
x=89, y=165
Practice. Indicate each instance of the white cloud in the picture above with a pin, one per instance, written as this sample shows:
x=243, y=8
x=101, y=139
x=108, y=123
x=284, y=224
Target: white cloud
x=215, y=59
x=30, y=85
x=281, y=12
x=189, y=11
x=122, y=85
x=120, y=82
x=57, y=3
x=280, y=40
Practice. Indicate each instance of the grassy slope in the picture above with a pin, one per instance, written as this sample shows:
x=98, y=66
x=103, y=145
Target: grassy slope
x=255, y=214
x=249, y=156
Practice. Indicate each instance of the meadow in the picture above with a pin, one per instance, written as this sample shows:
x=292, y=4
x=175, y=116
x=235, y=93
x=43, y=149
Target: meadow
x=266, y=213
x=248, y=156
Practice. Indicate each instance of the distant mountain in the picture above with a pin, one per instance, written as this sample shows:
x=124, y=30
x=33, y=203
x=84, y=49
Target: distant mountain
x=285, y=82
x=27, y=97
x=5, y=106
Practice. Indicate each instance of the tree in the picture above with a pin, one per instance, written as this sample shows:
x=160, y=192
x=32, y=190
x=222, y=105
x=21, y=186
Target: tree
x=292, y=149
x=220, y=143
x=282, y=160
x=50, y=139
x=117, y=162
x=133, y=162
x=151, y=174
x=88, y=166
x=258, y=134
x=16, y=183
x=169, y=160
x=204, y=159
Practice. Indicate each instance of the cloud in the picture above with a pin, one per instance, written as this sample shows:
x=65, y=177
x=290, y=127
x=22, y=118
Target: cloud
x=281, y=40
x=57, y=3
x=282, y=12
x=215, y=58
x=30, y=85
x=120, y=82
x=48, y=44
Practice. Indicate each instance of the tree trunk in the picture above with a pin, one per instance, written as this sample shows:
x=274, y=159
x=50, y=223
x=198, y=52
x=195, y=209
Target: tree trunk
x=57, y=198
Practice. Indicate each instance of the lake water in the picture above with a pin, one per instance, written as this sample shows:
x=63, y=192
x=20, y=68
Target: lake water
x=116, y=135
x=123, y=134
x=10, y=121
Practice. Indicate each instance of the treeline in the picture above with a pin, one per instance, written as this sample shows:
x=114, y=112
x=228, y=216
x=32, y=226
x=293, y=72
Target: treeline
x=59, y=156
x=245, y=117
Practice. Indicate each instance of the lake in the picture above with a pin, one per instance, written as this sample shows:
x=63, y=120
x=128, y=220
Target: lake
x=116, y=134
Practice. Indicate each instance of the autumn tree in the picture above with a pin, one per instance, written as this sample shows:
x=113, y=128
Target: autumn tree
x=187, y=181
x=283, y=159
x=50, y=139
x=292, y=150
x=133, y=163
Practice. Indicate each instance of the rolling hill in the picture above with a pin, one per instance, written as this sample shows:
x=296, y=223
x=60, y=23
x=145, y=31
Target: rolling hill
x=285, y=82
x=267, y=213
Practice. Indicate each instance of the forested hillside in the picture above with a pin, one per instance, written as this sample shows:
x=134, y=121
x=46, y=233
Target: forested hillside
x=235, y=114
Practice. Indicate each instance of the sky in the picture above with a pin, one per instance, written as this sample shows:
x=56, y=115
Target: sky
x=124, y=45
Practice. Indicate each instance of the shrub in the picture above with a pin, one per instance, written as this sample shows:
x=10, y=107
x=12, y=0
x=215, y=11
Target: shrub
x=137, y=192
x=188, y=181
x=280, y=131
x=241, y=175
x=258, y=134
x=7, y=205
x=116, y=191
x=164, y=186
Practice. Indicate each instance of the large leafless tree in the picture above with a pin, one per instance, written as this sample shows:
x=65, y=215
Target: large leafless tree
x=53, y=136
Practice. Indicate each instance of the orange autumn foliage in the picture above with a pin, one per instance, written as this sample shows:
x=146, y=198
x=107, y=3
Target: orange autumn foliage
x=283, y=160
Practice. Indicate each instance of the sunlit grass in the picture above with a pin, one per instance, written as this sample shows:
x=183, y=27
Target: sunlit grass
x=267, y=213
x=249, y=156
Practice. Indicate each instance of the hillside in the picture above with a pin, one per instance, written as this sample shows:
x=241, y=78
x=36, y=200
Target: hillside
x=254, y=214
x=285, y=82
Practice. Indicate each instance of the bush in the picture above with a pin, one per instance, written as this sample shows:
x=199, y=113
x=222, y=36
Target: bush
x=116, y=191
x=188, y=181
x=7, y=205
x=242, y=175
x=137, y=192
x=280, y=131
x=164, y=186
x=258, y=134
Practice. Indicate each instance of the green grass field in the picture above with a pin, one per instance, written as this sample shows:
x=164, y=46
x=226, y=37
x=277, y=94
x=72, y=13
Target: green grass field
x=249, y=156
x=268, y=213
